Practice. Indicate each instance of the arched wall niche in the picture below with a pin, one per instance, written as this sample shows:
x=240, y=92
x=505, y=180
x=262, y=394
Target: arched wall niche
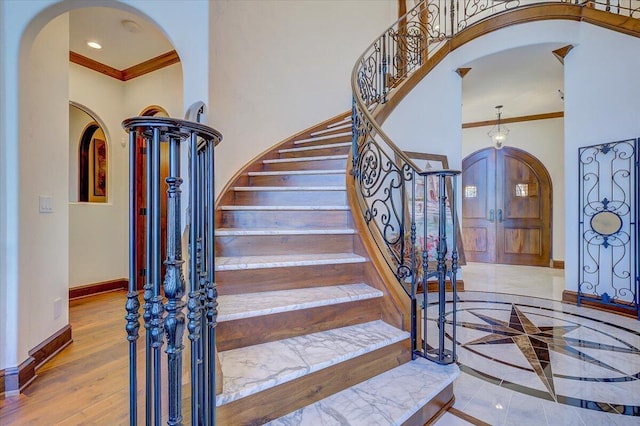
x=85, y=130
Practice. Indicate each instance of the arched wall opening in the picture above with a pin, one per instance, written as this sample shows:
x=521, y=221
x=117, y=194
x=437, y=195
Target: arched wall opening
x=36, y=247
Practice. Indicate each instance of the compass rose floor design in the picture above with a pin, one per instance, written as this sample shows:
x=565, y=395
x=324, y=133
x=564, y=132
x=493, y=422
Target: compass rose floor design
x=532, y=361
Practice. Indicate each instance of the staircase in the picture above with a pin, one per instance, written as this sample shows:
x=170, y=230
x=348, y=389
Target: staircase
x=307, y=332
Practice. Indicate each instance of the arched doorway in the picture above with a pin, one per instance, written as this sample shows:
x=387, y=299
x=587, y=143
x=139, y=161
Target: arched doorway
x=506, y=208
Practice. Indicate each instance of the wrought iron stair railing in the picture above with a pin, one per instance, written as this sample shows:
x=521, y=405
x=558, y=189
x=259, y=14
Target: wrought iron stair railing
x=386, y=180
x=163, y=305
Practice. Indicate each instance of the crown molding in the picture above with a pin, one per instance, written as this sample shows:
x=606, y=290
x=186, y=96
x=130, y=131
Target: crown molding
x=519, y=119
x=132, y=72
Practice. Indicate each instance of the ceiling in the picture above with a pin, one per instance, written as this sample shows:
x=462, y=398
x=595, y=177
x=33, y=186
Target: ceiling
x=524, y=80
x=121, y=48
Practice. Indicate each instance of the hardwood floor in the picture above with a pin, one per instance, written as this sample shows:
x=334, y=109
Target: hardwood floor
x=87, y=383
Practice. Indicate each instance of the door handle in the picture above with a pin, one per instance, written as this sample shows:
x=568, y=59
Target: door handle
x=499, y=215
x=491, y=215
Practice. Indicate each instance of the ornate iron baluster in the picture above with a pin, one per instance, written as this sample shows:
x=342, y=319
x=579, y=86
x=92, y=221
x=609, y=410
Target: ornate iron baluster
x=157, y=306
x=133, y=303
x=174, y=285
x=202, y=296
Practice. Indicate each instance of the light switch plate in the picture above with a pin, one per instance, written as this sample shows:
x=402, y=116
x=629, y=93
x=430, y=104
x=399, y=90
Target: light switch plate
x=46, y=204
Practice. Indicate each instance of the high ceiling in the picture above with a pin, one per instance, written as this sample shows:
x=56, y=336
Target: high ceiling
x=122, y=45
x=525, y=80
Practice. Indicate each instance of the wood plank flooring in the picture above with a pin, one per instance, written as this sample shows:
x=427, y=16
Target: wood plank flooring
x=88, y=382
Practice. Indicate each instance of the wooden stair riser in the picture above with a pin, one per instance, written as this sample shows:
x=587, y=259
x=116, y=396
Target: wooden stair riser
x=339, y=139
x=332, y=130
x=334, y=150
x=269, y=328
x=284, y=219
x=435, y=408
x=306, y=165
x=290, y=198
x=297, y=180
x=272, y=403
x=286, y=278
x=256, y=245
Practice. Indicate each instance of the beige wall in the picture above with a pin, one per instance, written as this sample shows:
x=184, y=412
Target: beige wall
x=98, y=232
x=279, y=67
x=44, y=240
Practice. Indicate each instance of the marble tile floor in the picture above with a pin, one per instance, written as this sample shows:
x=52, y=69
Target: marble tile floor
x=527, y=359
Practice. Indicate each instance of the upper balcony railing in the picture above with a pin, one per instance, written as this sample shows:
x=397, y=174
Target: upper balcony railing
x=410, y=211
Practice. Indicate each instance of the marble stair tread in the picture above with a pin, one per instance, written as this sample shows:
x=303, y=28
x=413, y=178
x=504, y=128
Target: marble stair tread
x=347, y=119
x=390, y=398
x=338, y=126
x=236, y=263
x=285, y=208
x=252, y=369
x=238, y=306
x=224, y=232
x=311, y=148
x=288, y=188
x=301, y=159
x=297, y=172
x=322, y=138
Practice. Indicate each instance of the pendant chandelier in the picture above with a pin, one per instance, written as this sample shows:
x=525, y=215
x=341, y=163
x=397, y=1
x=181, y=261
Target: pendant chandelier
x=499, y=132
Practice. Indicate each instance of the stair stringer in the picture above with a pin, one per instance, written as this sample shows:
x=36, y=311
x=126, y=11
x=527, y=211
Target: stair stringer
x=397, y=305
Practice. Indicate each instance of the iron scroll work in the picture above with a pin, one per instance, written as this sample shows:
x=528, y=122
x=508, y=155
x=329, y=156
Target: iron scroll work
x=608, y=224
x=163, y=297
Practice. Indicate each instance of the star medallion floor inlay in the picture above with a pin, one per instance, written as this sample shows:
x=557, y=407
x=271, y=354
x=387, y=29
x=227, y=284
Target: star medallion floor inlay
x=553, y=354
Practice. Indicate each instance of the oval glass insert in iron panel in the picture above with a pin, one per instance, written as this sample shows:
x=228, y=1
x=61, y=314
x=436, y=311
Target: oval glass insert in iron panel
x=606, y=223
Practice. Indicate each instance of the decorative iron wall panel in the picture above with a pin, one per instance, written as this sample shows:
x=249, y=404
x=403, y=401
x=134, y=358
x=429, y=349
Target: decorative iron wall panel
x=608, y=257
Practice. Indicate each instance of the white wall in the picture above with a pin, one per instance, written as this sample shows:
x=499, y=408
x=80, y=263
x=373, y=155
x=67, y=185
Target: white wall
x=4, y=242
x=544, y=140
x=44, y=169
x=428, y=118
x=279, y=67
x=601, y=105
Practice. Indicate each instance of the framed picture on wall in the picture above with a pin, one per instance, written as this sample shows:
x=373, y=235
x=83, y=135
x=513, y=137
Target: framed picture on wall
x=99, y=168
x=426, y=205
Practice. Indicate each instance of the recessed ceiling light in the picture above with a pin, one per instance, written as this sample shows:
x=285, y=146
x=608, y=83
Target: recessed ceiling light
x=131, y=26
x=94, y=44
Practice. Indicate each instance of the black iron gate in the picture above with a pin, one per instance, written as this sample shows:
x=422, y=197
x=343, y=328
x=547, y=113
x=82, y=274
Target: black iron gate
x=608, y=225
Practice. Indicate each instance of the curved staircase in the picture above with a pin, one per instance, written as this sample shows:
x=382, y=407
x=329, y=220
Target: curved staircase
x=307, y=331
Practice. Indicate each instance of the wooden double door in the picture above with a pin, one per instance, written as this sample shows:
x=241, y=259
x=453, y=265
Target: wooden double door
x=506, y=208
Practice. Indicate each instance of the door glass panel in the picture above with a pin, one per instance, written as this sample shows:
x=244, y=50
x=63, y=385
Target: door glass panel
x=474, y=184
x=522, y=201
x=470, y=191
x=522, y=189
